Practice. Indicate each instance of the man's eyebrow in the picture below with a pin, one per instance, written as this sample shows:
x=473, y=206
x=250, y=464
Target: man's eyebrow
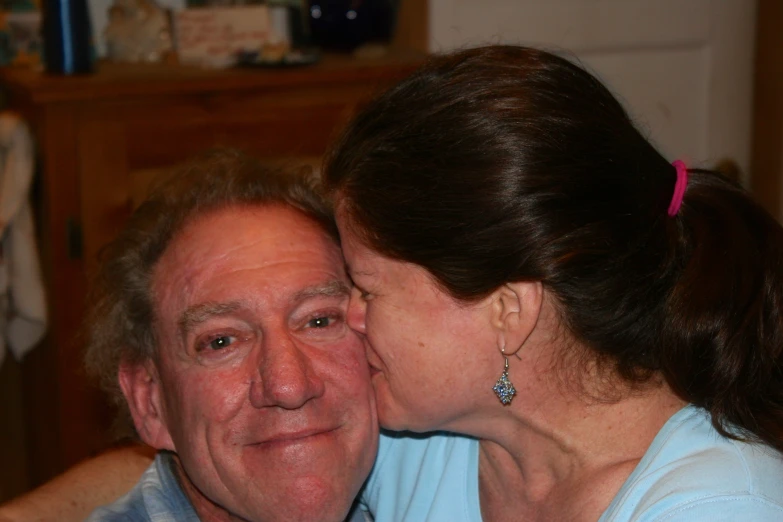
x=200, y=313
x=334, y=288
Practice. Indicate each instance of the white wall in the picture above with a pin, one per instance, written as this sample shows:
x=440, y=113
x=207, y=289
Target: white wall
x=683, y=67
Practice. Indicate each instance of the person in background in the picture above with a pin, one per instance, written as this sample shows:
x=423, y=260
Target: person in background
x=599, y=328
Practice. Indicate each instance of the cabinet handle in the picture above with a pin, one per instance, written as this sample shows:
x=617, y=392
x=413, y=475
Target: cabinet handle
x=73, y=238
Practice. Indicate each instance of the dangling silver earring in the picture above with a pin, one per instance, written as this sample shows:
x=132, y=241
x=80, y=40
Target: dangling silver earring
x=503, y=388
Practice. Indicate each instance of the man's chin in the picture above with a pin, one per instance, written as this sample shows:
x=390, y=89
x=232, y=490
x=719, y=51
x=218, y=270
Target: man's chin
x=320, y=500
x=321, y=488
x=303, y=499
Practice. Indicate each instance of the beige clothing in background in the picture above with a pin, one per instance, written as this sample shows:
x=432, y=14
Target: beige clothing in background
x=22, y=299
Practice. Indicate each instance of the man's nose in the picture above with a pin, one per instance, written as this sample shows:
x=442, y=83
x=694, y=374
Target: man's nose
x=288, y=378
x=357, y=309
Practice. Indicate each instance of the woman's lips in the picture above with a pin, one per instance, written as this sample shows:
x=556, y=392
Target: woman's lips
x=371, y=361
x=374, y=369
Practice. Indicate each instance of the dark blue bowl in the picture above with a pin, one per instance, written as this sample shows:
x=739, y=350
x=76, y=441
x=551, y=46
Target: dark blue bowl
x=347, y=24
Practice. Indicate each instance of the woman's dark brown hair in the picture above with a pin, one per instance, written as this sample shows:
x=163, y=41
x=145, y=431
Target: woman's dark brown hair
x=504, y=164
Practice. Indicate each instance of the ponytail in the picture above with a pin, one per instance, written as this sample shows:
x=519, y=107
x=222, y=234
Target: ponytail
x=722, y=346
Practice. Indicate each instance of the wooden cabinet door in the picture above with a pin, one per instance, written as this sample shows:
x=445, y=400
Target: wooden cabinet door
x=118, y=141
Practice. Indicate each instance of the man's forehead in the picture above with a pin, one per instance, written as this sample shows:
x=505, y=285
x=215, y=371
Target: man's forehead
x=270, y=227
x=245, y=243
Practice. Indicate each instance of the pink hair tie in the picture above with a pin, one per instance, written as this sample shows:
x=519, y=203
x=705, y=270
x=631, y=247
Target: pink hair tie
x=679, y=187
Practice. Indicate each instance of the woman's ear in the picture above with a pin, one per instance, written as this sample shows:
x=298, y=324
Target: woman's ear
x=141, y=386
x=516, y=308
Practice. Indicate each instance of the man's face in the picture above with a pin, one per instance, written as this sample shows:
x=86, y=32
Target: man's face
x=263, y=390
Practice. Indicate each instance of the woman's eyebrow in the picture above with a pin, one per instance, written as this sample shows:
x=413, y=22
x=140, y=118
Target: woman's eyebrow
x=355, y=272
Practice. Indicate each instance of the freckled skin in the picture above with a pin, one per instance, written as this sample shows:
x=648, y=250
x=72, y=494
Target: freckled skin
x=241, y=392
x=428, y=352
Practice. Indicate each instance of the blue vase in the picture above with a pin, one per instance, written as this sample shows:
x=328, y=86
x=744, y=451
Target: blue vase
x=67, y=37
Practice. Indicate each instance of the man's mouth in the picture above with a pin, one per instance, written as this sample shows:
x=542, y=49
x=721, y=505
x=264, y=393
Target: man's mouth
x=288, y=438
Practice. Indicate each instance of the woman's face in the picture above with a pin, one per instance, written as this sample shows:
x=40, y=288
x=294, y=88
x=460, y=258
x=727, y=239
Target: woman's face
x=433, y=359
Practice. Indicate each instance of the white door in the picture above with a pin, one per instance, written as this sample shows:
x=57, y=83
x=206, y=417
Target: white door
x=684, y=68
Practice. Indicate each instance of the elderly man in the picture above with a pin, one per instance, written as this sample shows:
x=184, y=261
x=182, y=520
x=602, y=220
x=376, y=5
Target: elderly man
x=220, y=312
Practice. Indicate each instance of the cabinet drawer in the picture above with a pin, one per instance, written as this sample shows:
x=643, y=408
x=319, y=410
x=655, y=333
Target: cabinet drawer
x=289, y=132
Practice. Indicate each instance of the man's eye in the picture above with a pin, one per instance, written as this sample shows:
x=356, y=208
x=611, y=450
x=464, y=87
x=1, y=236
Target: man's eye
x=219, y=343
x=320, y=322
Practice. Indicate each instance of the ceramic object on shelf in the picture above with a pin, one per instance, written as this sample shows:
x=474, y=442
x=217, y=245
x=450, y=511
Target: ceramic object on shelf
x=138, y=31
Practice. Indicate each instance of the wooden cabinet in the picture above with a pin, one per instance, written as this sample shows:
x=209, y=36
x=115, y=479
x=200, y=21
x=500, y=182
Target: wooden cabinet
x=101, y=136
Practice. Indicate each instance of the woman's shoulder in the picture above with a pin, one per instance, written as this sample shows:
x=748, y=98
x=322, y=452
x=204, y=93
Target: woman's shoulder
x=423, y=444
x=691, y=471
x=414, y=454
x=417, y=476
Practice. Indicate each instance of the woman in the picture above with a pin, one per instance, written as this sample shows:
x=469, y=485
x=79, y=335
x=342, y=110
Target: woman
x=530, y=272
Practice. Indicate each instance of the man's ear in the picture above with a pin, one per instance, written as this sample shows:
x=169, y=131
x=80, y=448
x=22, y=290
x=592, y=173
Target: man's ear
x=141, y=386
x=516, y=308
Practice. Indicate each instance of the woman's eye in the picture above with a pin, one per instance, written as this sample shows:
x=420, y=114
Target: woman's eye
x=364, y=295
x=219, y=343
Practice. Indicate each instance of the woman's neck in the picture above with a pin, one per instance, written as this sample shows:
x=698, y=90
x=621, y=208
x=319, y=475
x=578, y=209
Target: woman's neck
x=568, y=454
x=572, y=434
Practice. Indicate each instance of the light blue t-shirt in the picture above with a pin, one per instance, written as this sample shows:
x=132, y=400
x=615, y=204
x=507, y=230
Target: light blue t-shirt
x=690, y=473
x=158, y=497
